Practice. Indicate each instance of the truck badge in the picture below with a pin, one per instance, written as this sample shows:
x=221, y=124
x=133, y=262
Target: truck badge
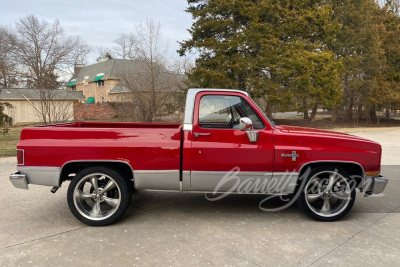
x=294, y=155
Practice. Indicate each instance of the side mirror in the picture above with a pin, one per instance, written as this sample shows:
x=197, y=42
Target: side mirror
x=245, y=124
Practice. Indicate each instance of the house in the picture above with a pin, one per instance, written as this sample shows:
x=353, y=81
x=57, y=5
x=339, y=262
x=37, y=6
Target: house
x=28, y=105
x=105, y=81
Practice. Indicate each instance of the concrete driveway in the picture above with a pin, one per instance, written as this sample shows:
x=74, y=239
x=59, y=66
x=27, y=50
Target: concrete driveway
x=172, y=229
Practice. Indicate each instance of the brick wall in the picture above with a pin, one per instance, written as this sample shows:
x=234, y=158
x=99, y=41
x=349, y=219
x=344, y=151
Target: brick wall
x=93, y=111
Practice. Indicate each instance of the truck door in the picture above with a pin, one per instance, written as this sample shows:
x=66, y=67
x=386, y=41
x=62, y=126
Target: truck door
x=220, y=149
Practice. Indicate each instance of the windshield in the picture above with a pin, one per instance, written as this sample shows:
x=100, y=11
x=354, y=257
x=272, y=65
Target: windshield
x=263, y=114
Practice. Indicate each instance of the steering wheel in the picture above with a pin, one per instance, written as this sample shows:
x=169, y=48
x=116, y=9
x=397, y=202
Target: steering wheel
x=231, y=122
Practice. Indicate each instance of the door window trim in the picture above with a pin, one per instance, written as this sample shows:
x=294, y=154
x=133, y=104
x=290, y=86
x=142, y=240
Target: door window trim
x=254, y=107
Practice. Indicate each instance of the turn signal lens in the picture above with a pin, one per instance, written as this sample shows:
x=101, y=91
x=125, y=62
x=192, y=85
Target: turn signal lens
x=372, y=173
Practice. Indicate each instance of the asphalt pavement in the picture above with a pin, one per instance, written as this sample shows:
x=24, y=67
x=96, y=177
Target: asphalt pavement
x=174, y=229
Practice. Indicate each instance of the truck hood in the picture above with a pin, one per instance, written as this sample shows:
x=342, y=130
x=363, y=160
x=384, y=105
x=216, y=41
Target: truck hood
x=319, y=132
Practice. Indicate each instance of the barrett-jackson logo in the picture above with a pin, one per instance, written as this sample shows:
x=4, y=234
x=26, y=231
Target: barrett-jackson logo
x=294, y=155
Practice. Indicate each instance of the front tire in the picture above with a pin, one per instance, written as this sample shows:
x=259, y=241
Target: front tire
x=328, y=195
x=98, y=196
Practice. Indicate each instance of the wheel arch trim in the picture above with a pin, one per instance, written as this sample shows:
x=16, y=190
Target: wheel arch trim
x=335, y=162
x=95, y=162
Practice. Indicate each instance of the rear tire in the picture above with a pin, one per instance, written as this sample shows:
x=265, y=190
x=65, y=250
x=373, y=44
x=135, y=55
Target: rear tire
x=328, y=195
x=98, y=196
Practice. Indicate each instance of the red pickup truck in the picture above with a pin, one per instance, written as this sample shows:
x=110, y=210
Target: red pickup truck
x=225, y=145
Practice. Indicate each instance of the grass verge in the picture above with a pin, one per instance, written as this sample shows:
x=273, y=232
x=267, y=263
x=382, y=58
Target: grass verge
x=9, y=141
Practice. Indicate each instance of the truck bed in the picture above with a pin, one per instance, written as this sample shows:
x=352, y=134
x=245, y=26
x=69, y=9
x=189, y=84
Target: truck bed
x=145, y=146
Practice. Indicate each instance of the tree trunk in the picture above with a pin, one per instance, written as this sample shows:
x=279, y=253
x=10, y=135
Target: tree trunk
x=387, y=112
x=350, y=108
x=359, y=112
x=372, y=112
x=314, y=112
x=335, y=114
x=305, y=112
x=268, y=110
x=305, y=115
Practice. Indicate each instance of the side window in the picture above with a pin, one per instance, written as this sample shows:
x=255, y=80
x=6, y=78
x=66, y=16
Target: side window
x=225, y=112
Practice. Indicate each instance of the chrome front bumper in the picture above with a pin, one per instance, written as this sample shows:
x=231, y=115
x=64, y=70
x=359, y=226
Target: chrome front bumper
x=19, y=180
x=375, y=185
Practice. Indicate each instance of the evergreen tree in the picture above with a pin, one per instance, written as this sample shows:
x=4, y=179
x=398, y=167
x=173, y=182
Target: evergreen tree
x=359, y=45
x=390, y=98
x=269, y=48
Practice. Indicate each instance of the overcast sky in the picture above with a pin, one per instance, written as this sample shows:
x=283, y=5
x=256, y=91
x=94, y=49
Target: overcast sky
x=99, y=22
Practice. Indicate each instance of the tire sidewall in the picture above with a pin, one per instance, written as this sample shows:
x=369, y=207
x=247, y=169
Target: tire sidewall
x=120, y=180
x=302, y=202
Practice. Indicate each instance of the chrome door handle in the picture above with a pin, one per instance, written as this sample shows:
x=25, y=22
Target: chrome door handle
x=198, y=134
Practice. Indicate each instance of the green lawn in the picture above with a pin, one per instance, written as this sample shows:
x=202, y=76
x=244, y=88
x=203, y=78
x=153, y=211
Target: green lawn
x=9, y=141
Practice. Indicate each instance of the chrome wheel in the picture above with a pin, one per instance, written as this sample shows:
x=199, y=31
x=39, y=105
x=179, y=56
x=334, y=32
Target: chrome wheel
x=327, y=193
x=97, y=196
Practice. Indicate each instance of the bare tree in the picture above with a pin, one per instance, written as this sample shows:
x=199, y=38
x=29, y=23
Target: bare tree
x=151, y=85
x=5, y=120
x=182, y=65
x=8, y=67
x=79, y=56
x=51, y=106
x=44, y=51
x=126, y=46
